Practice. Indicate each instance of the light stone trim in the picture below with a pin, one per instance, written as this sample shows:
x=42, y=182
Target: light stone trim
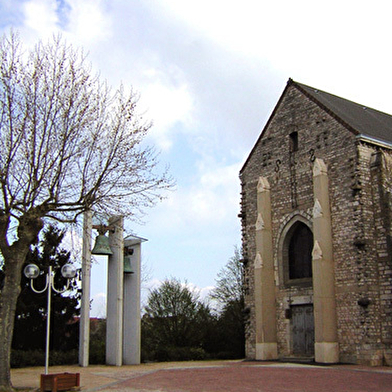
x=300, y=300
x=317, y=253
x=258, y=261
x=317, y=209
x=263, y=185
x=266, y=351
x=325, y=318
x=260, y=223
x=319, y=167
x=326, y=352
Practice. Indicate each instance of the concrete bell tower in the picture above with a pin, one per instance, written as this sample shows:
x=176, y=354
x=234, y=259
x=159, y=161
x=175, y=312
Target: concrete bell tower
x=123, y=295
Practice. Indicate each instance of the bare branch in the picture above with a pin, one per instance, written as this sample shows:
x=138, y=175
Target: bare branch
x=68, y=142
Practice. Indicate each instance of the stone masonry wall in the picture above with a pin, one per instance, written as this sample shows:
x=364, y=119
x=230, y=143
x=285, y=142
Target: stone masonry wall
x=381, y=179
x=361, y=256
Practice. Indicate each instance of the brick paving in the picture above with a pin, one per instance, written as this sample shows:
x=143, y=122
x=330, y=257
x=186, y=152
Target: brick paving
x=219, y=376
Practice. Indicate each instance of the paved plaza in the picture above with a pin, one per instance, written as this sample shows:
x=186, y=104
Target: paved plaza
x=219, y=376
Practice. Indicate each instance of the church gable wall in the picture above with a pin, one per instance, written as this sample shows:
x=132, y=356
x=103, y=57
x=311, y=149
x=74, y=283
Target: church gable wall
x=287, y=162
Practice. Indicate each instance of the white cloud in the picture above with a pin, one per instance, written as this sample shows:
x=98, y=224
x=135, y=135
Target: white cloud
x=337, y=46
x=217, y=192
x=167, y=105
x=151, y=284
x=81, y=22
x=207, y=202
x=40, y=17
x=261, y=27
x=98, y=305
x=73, y=242
x=202, y=292
x=89, y=21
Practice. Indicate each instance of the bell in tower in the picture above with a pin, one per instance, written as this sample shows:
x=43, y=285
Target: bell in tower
x=101, y=246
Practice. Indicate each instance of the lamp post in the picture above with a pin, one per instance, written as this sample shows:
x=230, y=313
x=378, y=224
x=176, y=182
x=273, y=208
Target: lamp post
x=31, y=272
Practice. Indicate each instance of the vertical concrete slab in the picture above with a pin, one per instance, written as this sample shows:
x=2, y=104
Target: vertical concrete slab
x=265, y=311
x=84, y=326
x=132, y=287
x=326, y=339
x=114, y=312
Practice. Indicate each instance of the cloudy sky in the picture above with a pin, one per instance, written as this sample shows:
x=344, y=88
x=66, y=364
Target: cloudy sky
x=209, y=74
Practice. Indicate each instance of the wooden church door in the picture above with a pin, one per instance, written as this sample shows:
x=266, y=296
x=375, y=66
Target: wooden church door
x=303, y=329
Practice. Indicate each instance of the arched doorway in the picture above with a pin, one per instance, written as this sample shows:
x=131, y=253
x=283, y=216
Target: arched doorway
x=296, y=266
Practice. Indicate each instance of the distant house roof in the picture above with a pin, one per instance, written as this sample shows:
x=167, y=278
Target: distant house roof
x=369, y=124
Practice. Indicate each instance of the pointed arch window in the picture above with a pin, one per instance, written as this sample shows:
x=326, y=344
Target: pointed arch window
x=300, y=247
x=295, y=252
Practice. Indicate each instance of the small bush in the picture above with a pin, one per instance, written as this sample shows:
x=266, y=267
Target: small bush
x=63, y=357
x=21, y=358
x=97, y=352
x=165, y=354
x=227, y=355
x=30, y=358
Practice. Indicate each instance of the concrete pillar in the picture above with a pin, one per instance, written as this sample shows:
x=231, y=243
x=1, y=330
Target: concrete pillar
x=114, y=310
x=326, y=338
x=84, y=324
x=265, y=311
x=132, y=283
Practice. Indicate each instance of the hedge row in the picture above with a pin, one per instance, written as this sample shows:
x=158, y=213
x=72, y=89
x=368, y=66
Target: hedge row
x=21, y=358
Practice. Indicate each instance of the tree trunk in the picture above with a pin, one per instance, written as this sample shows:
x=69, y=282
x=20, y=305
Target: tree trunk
x=14, y=257
x=8, y=300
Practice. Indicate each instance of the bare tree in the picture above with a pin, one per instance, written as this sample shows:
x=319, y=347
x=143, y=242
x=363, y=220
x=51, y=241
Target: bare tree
x=229, y=293
x=67, y=144
x=229, y=283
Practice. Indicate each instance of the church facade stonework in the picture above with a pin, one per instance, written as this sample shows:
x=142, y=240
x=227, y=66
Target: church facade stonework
x=316, y=231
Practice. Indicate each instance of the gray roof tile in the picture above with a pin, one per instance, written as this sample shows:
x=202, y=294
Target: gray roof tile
x=358, y=118
x=371, y=124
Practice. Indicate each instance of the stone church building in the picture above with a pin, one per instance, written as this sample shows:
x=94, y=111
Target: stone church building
x=316, y=228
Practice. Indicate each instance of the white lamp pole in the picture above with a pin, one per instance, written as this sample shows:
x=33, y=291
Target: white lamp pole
x=31, y=272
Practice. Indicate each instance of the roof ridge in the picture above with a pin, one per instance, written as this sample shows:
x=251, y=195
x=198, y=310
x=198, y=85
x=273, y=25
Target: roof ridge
x=370, y=125
x=358, y=118
x=291, y=81
x=303, y=89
